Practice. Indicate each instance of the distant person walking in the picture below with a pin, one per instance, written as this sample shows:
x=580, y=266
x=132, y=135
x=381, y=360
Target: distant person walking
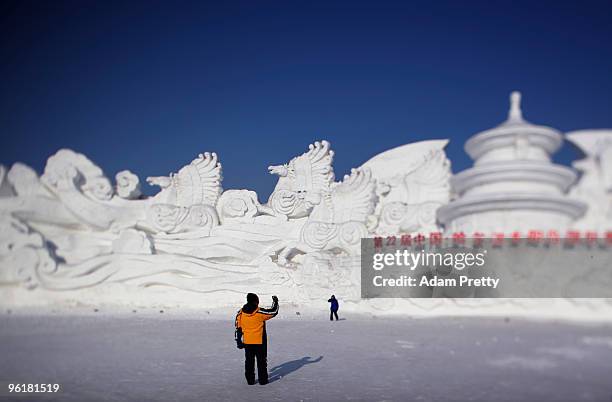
x=251, y=335
x=333, y=308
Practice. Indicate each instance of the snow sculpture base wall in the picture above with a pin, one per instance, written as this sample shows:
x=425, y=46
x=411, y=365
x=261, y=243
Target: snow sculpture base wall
x=122, y=298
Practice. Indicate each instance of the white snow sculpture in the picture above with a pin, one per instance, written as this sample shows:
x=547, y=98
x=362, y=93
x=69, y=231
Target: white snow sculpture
x=68, y=170
x=5, y=188
x=72, y=192
x=71, y=229
x=197, y=183
x=128, y=185
x=167, y=218
x=24, y=257
x=336, y=213
x=338, y=221
x=413, y=182
x=240, y=206
x=132, y=241
x=187, y=200
x=303, y=181
x=513, y=185
x=71, y=236
x=595, y=185
x=25, y=181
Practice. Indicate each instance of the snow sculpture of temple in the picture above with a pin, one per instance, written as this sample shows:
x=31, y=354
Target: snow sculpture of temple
x=513, y=185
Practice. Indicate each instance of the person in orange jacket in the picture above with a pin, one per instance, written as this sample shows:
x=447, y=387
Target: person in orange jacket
x=250, y=334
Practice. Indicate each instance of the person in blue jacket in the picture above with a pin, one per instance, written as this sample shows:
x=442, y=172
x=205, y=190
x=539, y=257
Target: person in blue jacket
x=333, y=308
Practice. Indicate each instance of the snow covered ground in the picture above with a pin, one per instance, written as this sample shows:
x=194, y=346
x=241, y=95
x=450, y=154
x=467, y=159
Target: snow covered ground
x=165, y=357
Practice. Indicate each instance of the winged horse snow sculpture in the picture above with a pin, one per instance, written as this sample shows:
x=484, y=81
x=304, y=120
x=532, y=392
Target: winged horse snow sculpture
x=188, y=198
x=336, y=212
x=302, y=182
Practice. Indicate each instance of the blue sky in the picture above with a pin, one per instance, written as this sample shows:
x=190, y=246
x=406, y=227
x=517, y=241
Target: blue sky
x=147, y=85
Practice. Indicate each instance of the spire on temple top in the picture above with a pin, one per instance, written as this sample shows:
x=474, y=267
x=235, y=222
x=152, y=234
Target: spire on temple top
x=515, y=113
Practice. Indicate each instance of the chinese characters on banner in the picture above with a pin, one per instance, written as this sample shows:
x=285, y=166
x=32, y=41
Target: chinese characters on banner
x=571, y=237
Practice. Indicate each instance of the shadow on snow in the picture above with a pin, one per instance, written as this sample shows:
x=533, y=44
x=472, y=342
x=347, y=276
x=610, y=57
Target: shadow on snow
x=289, y=367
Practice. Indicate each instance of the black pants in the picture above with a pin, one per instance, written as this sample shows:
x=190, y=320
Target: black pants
x=332, y=314
x=261, y=353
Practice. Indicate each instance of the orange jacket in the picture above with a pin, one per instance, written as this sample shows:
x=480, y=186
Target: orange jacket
x=253, y=324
